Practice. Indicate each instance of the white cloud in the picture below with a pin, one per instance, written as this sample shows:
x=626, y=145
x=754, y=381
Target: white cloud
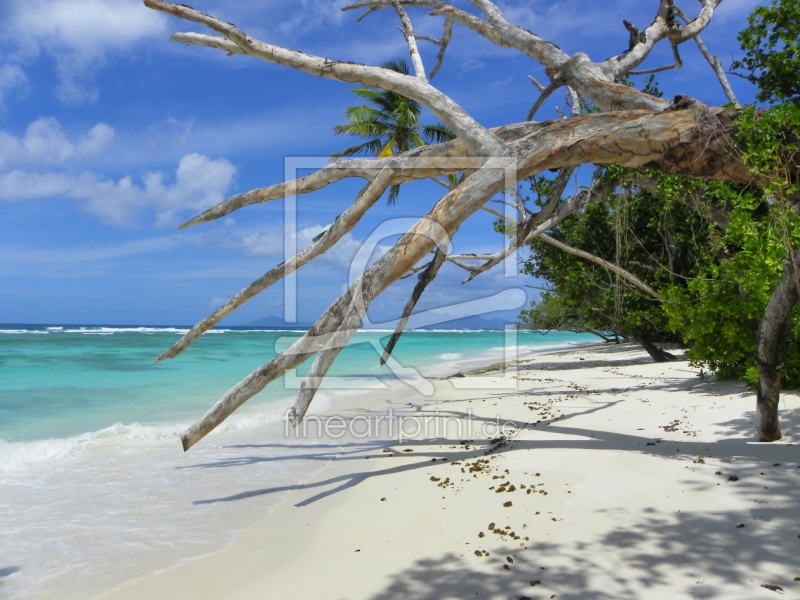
x=11, y=77
x=62, y=256
x=271, y=244
x=45, y=144
x=170, y=132
x=199, y=182
x=80, y=35
x=312, y=15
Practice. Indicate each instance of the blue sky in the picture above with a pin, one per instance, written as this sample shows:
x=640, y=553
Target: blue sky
x=111, y=136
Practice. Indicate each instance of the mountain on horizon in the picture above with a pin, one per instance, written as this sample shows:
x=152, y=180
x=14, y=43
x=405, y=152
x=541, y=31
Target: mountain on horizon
x=495, y=324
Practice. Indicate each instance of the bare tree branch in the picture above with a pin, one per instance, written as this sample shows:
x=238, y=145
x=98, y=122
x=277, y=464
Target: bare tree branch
x=713, y=61
x=326, y=357
x=626, y=275
x=440, y=9
x=536, y=84
x=425, y=278
x=442, y=222
x=578, y=71
x=544, y=52
x=663, y=27
x=546, y=93
x=524, y=229
x=678, y=64
x=683, y=137
x=343, y=224
x=411, y=40
x=575, y=102
x=477, y=138
x=443, y=43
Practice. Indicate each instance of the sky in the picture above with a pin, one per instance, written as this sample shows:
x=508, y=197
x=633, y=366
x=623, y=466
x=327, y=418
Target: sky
x=111, y=136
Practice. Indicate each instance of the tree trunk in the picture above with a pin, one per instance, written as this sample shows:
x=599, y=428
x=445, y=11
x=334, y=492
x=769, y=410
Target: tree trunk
x=772, y=337
x=656, y=353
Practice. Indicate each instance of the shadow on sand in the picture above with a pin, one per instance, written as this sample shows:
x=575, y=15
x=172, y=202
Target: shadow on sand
x=654, y=547
x=6, y=571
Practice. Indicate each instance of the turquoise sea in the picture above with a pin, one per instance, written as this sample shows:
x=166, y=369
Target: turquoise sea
x=94, y=488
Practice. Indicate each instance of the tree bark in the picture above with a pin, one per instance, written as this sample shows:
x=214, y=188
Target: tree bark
x=772, y=336
x=657, y=354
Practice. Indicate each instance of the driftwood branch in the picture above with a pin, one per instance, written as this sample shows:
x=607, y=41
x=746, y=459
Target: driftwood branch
x=425, y=278
x=411, y=40
x=546, y=93
x=415, y=88
x=624, y=274
x=713, y=61
x=636, y=130
x=342, y=225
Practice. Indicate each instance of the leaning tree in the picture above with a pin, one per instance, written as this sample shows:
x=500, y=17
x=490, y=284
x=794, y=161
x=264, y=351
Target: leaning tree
x=681, y=136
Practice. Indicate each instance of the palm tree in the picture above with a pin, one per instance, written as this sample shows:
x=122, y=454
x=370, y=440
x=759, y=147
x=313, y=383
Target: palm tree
x=390, y=124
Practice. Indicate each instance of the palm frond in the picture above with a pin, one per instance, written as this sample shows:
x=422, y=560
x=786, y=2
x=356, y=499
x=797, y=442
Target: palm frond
x=394, y=193
x=399, y=65
x=438, y=133
x=370, y=148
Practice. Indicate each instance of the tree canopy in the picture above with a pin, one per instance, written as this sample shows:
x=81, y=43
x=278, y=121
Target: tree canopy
x=771, y=59
x=719, y=248
x=627, y=128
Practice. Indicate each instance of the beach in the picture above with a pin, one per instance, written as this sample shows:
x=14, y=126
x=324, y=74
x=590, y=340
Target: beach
x=94, y=488
x=592, y=473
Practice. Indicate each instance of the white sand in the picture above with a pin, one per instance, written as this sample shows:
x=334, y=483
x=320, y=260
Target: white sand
x=630, y=468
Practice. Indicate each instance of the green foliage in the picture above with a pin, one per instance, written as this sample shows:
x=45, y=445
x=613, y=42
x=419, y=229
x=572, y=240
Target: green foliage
x=655, y=238
x=716, y=264
x=720, y=310
x=772, y=55
x=769, y=145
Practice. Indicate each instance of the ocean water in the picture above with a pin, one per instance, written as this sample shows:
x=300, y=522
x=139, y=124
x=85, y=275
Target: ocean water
x=94, y=487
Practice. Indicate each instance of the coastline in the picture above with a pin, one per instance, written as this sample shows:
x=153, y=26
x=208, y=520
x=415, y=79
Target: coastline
x=619, y=472
x=155, y=507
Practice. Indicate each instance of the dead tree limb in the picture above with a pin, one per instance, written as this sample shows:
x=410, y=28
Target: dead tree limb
x=342, y=225
x=477, y=138
x=623, y=273
x=524, y=229
x=681, y=137
x=425, y=278
x=772, y=336
x=713, y=61
x=411, y=40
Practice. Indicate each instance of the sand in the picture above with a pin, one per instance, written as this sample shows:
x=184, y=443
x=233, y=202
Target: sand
x=618, y=478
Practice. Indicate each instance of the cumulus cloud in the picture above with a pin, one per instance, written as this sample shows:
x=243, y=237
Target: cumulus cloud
x=12, y=77
x=312, y=15
x=271, y=244
x=199, y=182
x=45, y=144
x=80, y=35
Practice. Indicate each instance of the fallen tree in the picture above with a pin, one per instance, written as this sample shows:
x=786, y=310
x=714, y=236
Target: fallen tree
x=681, y=136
